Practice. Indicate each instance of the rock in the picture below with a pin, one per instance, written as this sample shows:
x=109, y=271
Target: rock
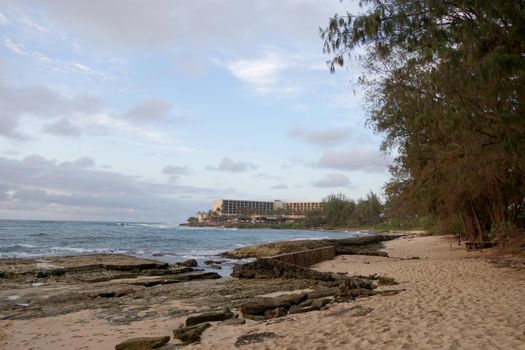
x=209, y=317
x=386, y=281
x=188, y=263
x=268, y=268
x=157, y=254
x=144, y=343
x=275, y=313
x=234, y=322
x=213, y=266
x=259, y=306
x=190, y=334
x=322, y=293
x=356, y=251
x=319, y=303
x=213, y=262
x=252, y=338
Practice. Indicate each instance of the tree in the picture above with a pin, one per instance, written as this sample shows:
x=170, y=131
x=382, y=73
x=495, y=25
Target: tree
x=368, y=211
x=338, y=209
x=445, y=83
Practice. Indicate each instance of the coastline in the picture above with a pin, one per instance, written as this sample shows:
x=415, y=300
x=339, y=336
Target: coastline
x=451, y=298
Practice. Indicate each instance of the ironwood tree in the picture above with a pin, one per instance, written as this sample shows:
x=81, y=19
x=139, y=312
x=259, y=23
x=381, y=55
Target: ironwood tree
x=445, y=84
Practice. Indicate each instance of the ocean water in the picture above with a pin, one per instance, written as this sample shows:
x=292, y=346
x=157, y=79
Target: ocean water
x=160, y=241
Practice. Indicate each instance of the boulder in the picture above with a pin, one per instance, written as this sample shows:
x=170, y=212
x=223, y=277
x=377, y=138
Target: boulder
x=144, y=343
x=209, y=317
x=213, y=262
x=268, y=268
x=259, y=306
x=191, y=334
x=234, y=322
x=252, y=338
x=188, y=263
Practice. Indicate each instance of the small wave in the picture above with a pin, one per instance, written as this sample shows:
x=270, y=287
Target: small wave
x=13, y=248
x=40, y=234
x=151, y=225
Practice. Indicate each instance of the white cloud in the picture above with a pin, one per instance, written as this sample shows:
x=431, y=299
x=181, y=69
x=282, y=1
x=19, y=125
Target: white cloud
x=366, y=160
x=333, y=180
x=262, y=73
x=150, y=109
x=66, y=66
x=3, y=19
x=322, y=137
x=32, y=24
x=36, y=184
x=279, y=187
x=229, y=165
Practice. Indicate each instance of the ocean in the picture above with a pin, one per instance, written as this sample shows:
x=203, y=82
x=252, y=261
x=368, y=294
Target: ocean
x=160, y=241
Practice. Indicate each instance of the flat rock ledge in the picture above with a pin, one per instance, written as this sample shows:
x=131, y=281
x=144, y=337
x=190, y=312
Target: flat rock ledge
x=144, y=343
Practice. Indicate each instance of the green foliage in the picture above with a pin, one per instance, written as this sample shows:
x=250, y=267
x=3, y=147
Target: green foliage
x=446, y=85
x=192, y=220
x=338, y=209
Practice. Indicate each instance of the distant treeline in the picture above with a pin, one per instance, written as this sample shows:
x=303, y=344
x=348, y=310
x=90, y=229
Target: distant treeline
x=445, y=84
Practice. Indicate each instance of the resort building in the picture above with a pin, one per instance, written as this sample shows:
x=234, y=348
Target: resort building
x=242, y=207
x=303, y=207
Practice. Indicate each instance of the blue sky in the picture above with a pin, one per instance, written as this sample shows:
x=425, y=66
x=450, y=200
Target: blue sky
x=147, y=111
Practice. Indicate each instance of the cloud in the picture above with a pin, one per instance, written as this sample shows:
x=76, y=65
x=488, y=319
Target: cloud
x=262, y=73
x=367, y=160
x=229, y=165
x=266, y=176
x=62, y=127
x=322, y=137
x=174, y=172
x=69, y=116
x=65, y=66
x=28, y=21
x=3, y=19
x=44, y=103
x=150, y=109
x=279, y=187
x=333, y=180
x=141, y=24
x=36, y=185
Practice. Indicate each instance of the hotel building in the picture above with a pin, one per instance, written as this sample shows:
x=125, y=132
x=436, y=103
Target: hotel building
x=239, y=207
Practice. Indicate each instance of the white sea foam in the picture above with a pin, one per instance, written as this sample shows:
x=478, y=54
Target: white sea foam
x=13, y=297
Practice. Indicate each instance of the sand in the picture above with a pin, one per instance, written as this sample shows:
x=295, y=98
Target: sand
x=453, y=299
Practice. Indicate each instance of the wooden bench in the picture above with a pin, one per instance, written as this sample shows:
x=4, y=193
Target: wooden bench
x=473, y=245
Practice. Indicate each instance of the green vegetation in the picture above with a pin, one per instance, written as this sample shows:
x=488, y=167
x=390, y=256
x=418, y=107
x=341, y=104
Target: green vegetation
x=445, y=82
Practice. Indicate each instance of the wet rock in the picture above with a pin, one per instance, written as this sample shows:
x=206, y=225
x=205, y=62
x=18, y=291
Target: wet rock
x=209, y=317
x=144, y=343
x=213, y=262
x=188, y=263
x=234, y=322
x=191, y=334
x=178, y=279
x=268, y=268
x=259, y=306
x=213, y=266
x=252, y=338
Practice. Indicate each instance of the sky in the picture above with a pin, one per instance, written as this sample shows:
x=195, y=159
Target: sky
x=149, y=110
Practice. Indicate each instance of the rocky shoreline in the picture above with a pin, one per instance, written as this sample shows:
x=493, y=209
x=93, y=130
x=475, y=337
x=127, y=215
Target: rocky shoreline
x=122, y=289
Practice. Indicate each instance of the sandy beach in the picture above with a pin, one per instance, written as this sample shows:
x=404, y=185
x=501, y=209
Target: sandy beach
x=452, y=299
